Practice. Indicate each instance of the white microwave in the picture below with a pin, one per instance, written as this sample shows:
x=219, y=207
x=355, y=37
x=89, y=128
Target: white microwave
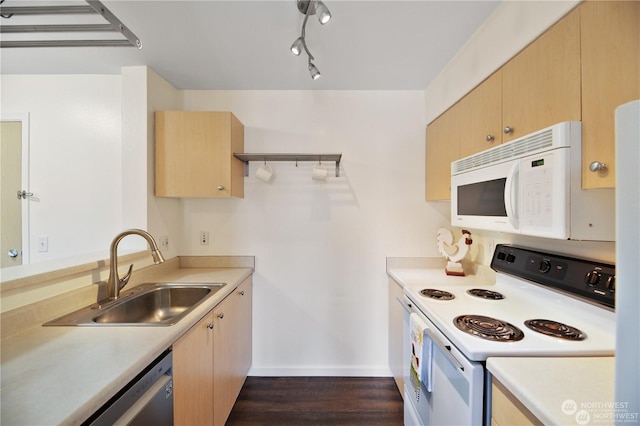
x=532, y=186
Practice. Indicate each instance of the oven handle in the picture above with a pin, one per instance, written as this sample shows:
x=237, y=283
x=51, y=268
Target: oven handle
x=446, y=349
x=405, y=303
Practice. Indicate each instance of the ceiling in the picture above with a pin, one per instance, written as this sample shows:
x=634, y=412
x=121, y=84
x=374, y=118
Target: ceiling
x=244, y=45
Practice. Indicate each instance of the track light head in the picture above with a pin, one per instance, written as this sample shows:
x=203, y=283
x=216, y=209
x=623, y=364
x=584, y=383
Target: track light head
x=314, y=71
x=324, y=15
x=297, y=46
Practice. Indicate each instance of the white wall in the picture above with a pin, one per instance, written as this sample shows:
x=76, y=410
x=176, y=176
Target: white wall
x=320, y=304
x=164, y=215
x=75, y=153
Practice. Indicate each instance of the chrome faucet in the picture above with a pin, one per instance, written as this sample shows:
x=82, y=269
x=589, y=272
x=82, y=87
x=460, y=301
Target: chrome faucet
x=114, y=283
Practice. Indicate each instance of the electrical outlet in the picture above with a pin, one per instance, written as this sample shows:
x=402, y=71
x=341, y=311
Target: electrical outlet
x=164, y=243
x=43, y=244
x=204, y=238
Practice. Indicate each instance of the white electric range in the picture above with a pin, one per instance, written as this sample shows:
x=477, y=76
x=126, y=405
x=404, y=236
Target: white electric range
x=541, y=304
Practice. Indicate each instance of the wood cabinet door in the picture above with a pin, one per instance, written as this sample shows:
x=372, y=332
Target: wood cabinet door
x=194, y=154
x=193, y=375
x=610, y=35
x=507, y=410
x=481, y=112
x=244, y=334
x=541, y=84
x=225, y=323
x=443, y=137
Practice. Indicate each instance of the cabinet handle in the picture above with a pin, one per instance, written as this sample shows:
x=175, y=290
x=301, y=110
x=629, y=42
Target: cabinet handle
x=490, y=138
x=596, y=166
x=221, y=315
x=241, y=293
x=220, y=187
x=210, y=326
x=508, y=130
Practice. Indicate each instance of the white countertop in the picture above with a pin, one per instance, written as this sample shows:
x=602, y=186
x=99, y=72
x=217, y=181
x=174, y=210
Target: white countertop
x=562, y=391
x=62, y=375
x=416, y=277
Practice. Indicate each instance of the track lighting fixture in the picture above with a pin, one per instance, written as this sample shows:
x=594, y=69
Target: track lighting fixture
x=310, y=7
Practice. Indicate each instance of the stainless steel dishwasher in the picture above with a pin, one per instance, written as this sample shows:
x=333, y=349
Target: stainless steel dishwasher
x=146, y=400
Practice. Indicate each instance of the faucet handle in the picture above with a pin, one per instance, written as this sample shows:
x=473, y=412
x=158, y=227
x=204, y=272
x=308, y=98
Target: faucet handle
x=124, y=280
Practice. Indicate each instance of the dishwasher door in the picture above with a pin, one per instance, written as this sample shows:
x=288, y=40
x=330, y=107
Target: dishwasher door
x=147, y=400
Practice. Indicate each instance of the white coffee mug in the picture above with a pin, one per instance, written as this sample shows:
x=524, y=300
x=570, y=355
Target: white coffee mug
x=319, y=172
x=265, y=173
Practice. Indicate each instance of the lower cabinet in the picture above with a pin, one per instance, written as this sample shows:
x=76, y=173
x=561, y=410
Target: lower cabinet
x=211, y=361
x=506, y=410
x=396, y=317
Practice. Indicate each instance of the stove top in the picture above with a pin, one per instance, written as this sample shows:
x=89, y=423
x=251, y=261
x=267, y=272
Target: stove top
x=485, y=294
x=488, y=328
x=433, y=293
x=529, y=318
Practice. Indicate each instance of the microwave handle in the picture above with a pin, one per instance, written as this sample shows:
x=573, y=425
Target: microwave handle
x=511, y=194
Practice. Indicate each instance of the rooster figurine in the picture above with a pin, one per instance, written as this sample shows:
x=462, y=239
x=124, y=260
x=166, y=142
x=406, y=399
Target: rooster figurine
x=454, y=252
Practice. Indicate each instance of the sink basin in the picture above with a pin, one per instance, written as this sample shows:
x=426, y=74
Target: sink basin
x=159, y=304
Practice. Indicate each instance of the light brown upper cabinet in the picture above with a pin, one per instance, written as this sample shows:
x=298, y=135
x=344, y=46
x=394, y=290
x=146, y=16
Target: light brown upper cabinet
x=442, y=147
x=541, y=84
x=610, y=77
x=471, y=125
x=481, y=116
x=537, y=88
x=580, y=69
x=194, y=154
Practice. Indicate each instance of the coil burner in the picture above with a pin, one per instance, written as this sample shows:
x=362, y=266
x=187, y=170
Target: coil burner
x=555, y=329
x=485, y=294
x=488, y=328
x=434, y=293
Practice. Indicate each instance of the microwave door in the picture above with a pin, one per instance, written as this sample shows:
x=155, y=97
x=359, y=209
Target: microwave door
x=478, y=198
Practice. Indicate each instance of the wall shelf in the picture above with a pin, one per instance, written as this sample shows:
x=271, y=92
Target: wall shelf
x=246, y=158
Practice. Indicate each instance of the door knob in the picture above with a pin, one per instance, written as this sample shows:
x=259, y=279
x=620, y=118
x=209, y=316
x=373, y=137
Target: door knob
x=596, y=166
x=12, y=253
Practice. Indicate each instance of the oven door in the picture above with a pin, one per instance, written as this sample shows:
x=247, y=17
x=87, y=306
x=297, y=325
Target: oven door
x=457, y=384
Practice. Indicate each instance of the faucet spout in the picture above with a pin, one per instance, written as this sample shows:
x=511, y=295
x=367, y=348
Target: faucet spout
x=115, y=283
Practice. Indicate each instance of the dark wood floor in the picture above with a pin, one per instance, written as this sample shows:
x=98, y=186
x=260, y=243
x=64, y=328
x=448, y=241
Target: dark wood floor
x=314, y=401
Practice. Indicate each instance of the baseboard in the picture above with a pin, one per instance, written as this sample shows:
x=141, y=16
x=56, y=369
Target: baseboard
x=306, y=371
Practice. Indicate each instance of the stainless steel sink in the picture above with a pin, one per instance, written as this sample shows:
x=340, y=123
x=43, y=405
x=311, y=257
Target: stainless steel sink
x=151, y=304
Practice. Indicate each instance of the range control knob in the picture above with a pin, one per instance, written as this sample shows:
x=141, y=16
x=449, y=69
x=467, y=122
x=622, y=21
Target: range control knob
x=611, y=283
x=545, y=266
x=502, y=255
x=510, y=258
x=592, y=278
